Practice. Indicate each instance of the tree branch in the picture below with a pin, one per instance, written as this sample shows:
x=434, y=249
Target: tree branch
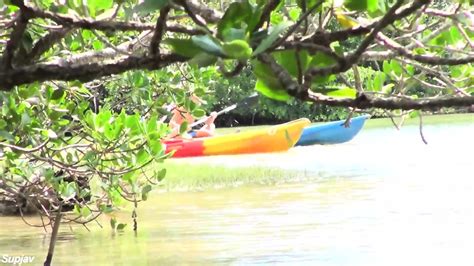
x=392, y=103
x=296, y=25
x=426, y=59
x=159, y=30
x=83, y=72
x=190, y=12
x=267, y=10
x=283, y=76
x=349, y=60
x=15, y=37
x=104, y=25
x=44, y=44
x=208, y=14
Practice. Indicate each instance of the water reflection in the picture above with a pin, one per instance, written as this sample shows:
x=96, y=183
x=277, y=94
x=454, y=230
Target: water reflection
x=383, y=199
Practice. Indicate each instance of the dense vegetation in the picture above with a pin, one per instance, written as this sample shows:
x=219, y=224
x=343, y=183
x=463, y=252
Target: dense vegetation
x=83, y=83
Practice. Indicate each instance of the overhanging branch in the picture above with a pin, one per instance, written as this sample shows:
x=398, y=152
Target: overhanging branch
x=105, y=25
x=392, y=103
x=82, y=72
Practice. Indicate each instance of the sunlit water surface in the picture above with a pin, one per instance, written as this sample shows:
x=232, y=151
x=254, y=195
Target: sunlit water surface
x=384, y=198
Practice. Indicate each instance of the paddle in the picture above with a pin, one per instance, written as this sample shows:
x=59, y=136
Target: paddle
x=248, y=102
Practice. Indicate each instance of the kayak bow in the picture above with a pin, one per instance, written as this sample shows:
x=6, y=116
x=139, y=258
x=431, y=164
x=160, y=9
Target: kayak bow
x=332, y=132
x=272, y=139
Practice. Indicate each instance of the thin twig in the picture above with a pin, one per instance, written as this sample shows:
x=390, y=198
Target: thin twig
x=421, y=129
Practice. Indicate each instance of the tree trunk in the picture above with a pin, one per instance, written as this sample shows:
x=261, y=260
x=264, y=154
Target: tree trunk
x=54, y=234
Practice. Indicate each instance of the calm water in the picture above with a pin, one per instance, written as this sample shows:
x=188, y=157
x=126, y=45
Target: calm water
x=384, y=198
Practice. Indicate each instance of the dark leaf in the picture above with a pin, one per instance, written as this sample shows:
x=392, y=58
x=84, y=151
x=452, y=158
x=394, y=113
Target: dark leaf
x=149, y=6
x=357, y=5
x=183, y=127
x=272, y=93
x=208, y=44
x=272, y=37
x=121, y=226
x=113, y=223
x=238, y=49
x=184, y=47
x=145, y=190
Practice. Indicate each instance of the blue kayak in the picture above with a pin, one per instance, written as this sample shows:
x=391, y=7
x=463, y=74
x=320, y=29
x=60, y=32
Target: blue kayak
x=332, y=132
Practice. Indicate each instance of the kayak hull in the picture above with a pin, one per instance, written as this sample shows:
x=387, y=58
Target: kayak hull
x=272, y=139
x=332, y=132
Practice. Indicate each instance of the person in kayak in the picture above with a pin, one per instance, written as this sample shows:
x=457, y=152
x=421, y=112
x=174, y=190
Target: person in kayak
x=180, y=115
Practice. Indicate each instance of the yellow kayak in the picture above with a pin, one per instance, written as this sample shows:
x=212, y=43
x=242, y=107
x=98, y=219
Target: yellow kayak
x=271, y=139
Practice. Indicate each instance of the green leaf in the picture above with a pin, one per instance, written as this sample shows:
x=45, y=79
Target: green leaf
x=183, y=127
x=199, y=113
x=288, y=59
x=120, y=227
x=98, y=5
x=387, y=68
x=379, y=80
x=237, y=16
x=26, y=92
x=203, y=60
x=372, y=6
x=387, y=88
x=337, y=92
x=343, y=93
x=208, y=44
x=149, y=6
x=272, y=93
x=184, y=47
x=321, y=60
x=69, y=191
x=85, y=212
x=356, y=5
x=265, y=75
x=113, y=223
x=74, y=46
x=97, y=45
x=294, y=14
x=106, y=208
x=145, y=190
x=238, y=49
x=308, y=4
x=58, y=94
x=6, y=135
x=396, y=67
x=49, y=133
x=235, y=34
x=25, y=119
x=414, y=114
x=272, y=37
x=3, y=124
x=156, y=147
x=276, y=18
x=161, y=174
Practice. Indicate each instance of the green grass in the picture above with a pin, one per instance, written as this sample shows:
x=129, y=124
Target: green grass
x=182, y=176
x=427, y=120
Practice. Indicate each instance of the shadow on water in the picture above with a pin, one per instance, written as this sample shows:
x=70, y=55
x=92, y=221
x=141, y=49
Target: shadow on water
x=384, y=198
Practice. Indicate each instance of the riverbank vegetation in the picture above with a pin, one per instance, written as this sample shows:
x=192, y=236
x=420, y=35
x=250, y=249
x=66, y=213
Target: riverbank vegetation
x=186, y=176
x=84, y=84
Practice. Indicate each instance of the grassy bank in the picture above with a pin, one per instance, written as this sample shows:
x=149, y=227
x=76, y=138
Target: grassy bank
x=427, y=120
x=182, y=176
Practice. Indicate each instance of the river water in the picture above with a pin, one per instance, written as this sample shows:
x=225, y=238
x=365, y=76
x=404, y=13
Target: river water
x=384, y=198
